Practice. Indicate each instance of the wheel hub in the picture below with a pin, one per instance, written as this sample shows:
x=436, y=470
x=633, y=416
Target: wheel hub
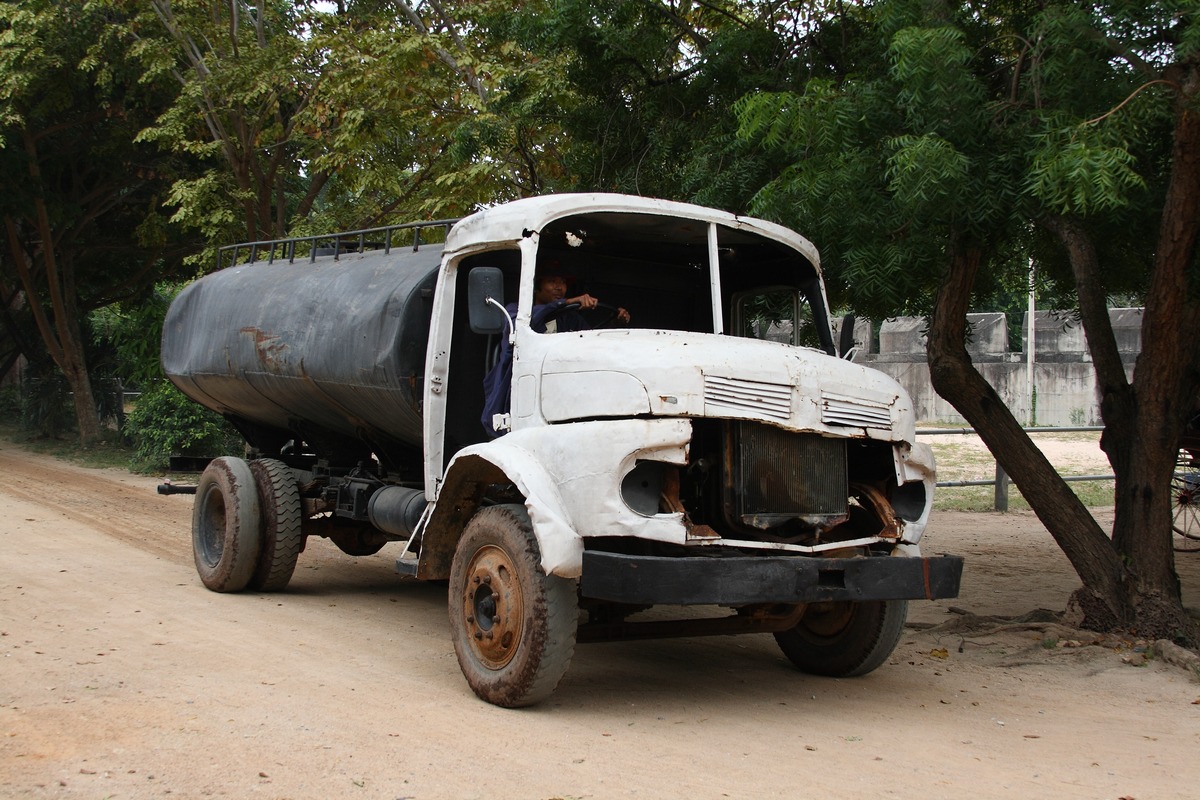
x=492, y=607
x=827, y=619
x=212, y=538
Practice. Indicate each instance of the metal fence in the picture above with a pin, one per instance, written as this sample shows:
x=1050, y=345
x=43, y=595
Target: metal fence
x=1002, y=481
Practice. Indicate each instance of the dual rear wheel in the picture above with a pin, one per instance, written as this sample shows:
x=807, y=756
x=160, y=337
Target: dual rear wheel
x=246, y=525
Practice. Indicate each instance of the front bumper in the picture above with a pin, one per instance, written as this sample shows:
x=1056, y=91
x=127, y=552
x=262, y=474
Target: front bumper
x=744, y=580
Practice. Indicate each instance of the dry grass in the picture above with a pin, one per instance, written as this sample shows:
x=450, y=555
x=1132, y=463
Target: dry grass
x=962, y=457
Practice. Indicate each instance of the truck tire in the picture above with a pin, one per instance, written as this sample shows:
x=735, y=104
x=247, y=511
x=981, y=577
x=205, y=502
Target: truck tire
x=844, y=639
x=282, y=539
x=226, y=525
x=513, y=626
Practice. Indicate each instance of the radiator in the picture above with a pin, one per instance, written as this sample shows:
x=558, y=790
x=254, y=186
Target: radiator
x=777, y=476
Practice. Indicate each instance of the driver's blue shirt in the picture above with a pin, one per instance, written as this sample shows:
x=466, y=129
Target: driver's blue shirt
x=565, y=322
x=498, y=382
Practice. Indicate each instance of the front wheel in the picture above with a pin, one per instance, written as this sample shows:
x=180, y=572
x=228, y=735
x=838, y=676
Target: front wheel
x=513, y=625
x=844, y=639
x=226, y=525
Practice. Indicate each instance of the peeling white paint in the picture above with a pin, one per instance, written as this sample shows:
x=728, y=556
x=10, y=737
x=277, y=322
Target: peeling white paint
x=571, y=478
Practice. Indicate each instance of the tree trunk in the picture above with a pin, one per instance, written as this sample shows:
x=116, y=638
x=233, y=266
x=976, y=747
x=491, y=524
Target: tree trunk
x=86, y=417
x=1103, y=602
x=1165, y=381
x=60, y=330
x=1140, y=441
x=1116, y=395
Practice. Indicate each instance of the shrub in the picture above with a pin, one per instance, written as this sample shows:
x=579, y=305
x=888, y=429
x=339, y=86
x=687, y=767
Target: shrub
x=10, y=404
x=164, y=423
x=46, y=407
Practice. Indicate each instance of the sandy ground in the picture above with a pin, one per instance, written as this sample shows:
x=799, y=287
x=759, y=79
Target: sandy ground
x=121, y=677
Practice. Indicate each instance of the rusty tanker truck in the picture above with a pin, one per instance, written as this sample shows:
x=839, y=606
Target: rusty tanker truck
x=715, y=458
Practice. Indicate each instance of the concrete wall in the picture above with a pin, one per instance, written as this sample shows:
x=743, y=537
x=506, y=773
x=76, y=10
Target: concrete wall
x=1062, y=372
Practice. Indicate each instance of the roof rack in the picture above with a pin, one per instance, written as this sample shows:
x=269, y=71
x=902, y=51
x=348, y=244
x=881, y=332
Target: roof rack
x=327, y=243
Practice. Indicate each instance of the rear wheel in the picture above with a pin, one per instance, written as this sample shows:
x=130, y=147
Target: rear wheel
x=282, y=539
x=844, y=639
x=226, y=525
x=513, y=626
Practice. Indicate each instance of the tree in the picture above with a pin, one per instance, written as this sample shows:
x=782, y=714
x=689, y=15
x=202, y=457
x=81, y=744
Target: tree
x=976, y=137
x=650, y=86
x=314, y=117
x=81, y=204
x=440, y=110
x=245, y=75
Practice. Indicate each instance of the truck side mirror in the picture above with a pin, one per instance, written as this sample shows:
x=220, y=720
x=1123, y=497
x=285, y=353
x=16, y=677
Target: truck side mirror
x=485, y=301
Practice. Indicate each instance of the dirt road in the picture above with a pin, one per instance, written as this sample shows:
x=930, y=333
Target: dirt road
x=121, y=677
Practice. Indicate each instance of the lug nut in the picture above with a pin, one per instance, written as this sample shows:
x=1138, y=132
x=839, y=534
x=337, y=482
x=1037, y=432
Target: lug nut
x=496, y=619
x=478, y=634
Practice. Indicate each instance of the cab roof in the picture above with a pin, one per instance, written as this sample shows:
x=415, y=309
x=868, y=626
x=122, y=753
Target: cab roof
x=660, y=219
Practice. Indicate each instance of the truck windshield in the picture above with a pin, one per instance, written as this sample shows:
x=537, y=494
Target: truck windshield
x=657, y=267
x=775, y=314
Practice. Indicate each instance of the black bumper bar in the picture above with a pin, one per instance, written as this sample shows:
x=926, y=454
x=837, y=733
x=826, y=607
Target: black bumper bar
x=743, y=580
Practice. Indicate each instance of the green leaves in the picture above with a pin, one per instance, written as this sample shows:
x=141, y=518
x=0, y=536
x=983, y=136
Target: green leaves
x=134, y=331
x=934, y=82
x=952, y=127
x=1073, y=171
x=927, y=174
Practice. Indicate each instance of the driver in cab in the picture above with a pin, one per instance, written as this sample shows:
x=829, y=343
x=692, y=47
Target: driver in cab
x=554, y=312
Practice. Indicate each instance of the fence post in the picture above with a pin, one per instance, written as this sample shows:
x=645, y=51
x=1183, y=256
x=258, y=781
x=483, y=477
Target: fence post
x=1002, y=482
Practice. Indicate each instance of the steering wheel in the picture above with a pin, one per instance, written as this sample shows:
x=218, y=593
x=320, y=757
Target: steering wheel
x=602, y=315
x=598, y=317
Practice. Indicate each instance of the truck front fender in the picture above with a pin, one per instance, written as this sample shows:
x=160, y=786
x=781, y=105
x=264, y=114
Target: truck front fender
x=570, y=478
x=468, y=475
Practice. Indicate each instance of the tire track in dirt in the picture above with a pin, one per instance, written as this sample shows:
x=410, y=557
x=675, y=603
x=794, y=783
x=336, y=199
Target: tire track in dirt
x=127, y=510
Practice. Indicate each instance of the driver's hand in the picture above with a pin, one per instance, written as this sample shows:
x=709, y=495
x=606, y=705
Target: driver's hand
x=623, y=315
x=586, y=301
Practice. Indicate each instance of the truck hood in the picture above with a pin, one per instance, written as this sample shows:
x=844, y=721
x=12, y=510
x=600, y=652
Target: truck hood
x=620, y=373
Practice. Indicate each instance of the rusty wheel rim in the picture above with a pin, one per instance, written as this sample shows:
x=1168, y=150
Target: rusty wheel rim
x=492, y=607
x=826, y=620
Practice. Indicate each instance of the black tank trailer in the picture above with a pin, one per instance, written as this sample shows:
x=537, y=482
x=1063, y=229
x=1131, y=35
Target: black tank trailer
x=320, y=366
x=330, y=352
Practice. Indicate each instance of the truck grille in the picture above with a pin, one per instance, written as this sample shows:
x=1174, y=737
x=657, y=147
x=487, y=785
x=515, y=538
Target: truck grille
x=854, y=412
x=770, y=400
x=780, y=476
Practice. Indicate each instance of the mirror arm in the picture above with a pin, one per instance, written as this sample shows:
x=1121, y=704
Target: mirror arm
x=511, y=330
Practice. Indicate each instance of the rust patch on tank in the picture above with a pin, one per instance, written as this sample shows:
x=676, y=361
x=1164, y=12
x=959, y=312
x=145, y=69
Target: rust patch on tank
x=270, y=348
